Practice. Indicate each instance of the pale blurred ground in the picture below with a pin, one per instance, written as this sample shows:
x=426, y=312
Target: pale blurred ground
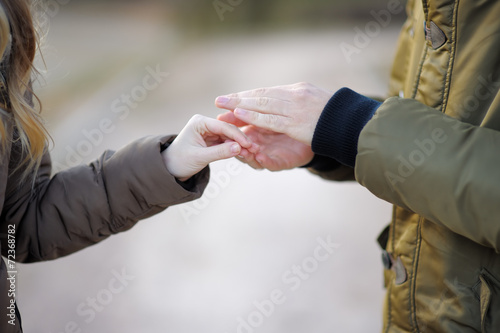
x=200, y=274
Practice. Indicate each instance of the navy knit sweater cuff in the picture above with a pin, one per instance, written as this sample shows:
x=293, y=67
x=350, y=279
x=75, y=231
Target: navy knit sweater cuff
x=340, y=124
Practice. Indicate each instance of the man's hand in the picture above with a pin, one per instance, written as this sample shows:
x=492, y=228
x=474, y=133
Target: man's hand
x=202, y=141
x=293, y=110
x=277, y=151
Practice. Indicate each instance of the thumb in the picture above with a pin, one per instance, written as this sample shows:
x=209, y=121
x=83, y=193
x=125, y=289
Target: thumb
x=220, y=152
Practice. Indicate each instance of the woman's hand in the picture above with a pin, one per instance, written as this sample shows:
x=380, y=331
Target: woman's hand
x=293, y=110
x=202, y=141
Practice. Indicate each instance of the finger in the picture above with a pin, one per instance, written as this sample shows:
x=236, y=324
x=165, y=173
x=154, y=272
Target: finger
x=269, y=122
x=277, y=92
x=229, y=117
x=229, y=131
x=245, y=152
x=254, y=149
x=259, y=136
x=264, y=104
x=249, y=158
x=219, y=152
x=251, y=162
x=265, y=161
x=271, y=99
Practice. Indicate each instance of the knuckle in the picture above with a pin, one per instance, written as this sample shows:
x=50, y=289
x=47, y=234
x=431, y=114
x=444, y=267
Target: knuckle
x=259, y=92
x=303, y=85
x=262, y=101
x=273, y=119
x=197, y=118
x=276, y=122
x=234, y=99
x=303, y=90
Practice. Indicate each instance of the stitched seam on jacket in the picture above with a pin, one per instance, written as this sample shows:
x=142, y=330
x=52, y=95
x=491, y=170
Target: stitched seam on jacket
x=393, y=230
x=451, y=60
x=389, y=317
x=389, y=289
x=413, y=284
x=425, y=7
x=420, y=68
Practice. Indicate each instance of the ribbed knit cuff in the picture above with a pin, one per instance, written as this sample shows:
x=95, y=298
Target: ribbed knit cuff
x=337, y=132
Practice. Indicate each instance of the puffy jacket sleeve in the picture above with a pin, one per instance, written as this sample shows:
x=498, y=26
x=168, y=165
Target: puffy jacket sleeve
x=443, y=169
x=86, y=204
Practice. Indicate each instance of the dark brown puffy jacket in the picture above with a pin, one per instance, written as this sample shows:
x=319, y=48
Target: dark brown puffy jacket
x=47, y=217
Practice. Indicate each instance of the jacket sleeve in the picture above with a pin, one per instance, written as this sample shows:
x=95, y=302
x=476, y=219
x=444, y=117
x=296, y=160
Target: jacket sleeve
x=329, y=169
x=340, y=173
x=86, y=204
x=439, y=167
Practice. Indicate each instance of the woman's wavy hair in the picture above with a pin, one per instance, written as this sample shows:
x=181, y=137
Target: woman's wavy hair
x=18, y=47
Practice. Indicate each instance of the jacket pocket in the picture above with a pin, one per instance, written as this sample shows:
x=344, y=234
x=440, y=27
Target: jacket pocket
x=488, y=290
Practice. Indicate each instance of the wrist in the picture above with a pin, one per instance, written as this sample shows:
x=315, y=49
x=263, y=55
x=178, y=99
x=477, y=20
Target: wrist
x=170, y=160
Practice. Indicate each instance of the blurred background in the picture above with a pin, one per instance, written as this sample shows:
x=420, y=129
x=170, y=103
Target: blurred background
x=212, y=265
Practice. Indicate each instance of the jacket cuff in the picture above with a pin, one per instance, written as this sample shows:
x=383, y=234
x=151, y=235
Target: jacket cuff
x=322, y=163
x=337, y=132
x=142, y=185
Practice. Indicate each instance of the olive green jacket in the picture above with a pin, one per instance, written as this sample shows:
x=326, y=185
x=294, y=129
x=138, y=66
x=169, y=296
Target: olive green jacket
x=433, y=150
x=59, y=214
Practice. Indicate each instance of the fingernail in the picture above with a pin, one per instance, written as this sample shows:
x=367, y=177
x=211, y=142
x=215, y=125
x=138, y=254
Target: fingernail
x=222, y=99
x=235, y=149
x=241, y=112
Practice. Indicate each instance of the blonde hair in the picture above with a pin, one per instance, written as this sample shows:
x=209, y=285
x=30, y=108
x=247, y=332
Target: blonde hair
x=18, y=47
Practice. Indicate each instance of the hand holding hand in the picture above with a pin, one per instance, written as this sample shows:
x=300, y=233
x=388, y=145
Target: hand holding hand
x=293, y=110
x=202, y=141
x=277, y=151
